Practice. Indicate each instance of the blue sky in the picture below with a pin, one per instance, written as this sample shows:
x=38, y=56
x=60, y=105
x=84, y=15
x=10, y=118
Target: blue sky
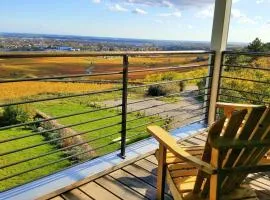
x=150, y=19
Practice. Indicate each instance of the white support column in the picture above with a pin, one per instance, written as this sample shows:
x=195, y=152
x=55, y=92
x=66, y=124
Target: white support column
x=218, y=44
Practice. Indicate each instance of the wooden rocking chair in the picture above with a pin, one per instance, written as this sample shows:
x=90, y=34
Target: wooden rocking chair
x=236, y=146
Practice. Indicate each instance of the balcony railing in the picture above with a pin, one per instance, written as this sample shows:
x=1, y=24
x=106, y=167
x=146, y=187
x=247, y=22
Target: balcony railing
x=106, y=111
x=245, y=78
x=98, y=112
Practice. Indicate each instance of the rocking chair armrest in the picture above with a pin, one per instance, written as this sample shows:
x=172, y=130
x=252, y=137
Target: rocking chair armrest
x=166, y=140
x=228, y=108
x=236, y=105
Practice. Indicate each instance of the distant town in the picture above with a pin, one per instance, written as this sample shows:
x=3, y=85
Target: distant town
x=44, y=42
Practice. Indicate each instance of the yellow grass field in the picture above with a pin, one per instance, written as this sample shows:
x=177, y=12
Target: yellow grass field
x=55, y=66
x=25, y=89
x=39, y=67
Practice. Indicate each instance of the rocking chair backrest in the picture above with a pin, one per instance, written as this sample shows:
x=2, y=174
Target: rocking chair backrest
x=241, y=122
x=236, y=146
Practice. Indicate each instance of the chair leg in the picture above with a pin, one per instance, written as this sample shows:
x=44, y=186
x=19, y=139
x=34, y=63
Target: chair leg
x=215, y=187
x=161, y=172
x=215, y=179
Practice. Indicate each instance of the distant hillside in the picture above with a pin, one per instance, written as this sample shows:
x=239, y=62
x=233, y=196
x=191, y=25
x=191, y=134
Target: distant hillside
x=32, y=42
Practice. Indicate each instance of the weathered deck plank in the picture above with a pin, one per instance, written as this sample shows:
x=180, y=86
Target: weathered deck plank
x=141, y=174
x=138, y=181
x=196, y=141
x=201, y=137
x=75, y=194
x=147, y=165
x=144, y=175
x=134, y=183
x=152, y=159
x=97, y=192
x=57, y=198
x=119, y=189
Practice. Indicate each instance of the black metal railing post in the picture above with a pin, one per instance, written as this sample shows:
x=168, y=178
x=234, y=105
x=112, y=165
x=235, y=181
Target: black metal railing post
x=219, y=80
x=124, y=106
x=207, y=92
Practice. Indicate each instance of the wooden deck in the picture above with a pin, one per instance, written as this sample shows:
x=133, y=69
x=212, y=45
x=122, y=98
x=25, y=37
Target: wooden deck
x=138, y=181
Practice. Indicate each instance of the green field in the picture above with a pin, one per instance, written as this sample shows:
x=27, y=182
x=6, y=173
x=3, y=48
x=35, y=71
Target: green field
x=68, y=107
x=103, y=141
x=58, y=108
x=21, y=155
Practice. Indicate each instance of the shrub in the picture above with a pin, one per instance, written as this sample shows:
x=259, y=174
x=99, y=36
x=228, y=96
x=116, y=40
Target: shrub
x=167, y=123
x=162, y=90
x=201, y=84
x=246, y=91
x=53, y=136
x=156, y=90
x=182, y=86
x=169, y=76
x=18, y=114
x=232, y=60
x=77, y=154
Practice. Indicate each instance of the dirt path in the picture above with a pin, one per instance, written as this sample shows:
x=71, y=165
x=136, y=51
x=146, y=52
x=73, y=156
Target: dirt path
x=186, y=107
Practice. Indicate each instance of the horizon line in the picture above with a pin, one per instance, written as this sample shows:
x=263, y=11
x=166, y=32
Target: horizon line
x=111, y=37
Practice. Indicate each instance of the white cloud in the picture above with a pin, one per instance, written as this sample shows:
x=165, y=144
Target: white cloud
x=190, y=27
x=236, y=1
x=207, y=12
x=236, y=13
x=139, y=11
x=173, y=14
x=166, y=3
x=258, y=18
x=96, y=1
x=117, y=8
x=159, y=21
x=259, y=1
x=241, y=17
x=262, y=1
x=264, y=31
x=246, y=20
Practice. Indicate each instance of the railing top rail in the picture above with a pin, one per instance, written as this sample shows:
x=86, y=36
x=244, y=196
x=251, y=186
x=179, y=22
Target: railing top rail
x=266, y=54
x=94, y=54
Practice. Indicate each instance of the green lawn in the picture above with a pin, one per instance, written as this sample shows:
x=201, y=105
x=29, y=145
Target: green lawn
x=68, y=107
x=58, y=108
x=17, y=144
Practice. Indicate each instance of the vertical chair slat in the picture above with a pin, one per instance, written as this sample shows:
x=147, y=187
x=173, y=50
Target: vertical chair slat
x=215, y=129
x=161, y=172
x=254, y=116
x=215, y=179
x=230, y=132
x=251, y=156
